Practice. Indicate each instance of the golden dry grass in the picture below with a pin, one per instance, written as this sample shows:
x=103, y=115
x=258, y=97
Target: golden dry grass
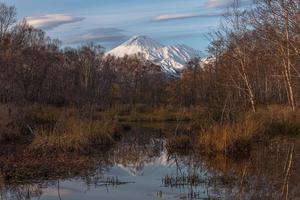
x=227, y=137
x=48, y=129
x=237, y=137
x=279, y=120
x=74, y=135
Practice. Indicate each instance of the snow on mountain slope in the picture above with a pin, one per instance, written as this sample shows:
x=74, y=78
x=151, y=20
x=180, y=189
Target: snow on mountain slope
x=171, y=58
x=135, y=169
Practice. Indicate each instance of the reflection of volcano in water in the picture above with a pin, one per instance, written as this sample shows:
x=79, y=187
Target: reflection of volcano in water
x=140, y=155
x=147, y=165
x=143, y=152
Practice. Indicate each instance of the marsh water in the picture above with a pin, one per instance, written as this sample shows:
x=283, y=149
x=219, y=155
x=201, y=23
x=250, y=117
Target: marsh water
x=140, y=167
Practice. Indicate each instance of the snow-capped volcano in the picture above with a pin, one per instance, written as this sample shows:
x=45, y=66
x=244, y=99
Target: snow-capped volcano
x=171, y=58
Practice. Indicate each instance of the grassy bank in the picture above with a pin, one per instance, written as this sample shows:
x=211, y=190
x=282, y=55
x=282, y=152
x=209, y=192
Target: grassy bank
x=45, y=129
x=236, y=138
x=48, y=129
x=44, y=141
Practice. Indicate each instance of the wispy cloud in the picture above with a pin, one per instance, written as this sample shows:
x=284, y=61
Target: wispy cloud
x=101, y=35
x=218, y=3
x=178, y=16
x=225, y=3
x=51, y=21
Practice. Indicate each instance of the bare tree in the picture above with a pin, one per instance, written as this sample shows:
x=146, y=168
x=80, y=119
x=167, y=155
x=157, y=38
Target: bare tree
x=7, y=18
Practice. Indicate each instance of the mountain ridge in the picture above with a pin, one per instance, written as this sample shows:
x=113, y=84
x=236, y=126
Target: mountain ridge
x=171, y=58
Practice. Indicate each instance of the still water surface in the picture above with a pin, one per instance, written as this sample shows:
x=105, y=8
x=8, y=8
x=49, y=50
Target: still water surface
x=140, y=168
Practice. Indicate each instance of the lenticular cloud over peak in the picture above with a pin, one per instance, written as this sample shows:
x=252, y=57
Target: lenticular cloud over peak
x=50, y=21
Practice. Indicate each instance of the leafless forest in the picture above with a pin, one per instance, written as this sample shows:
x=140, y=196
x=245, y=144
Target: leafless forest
x=254, y=60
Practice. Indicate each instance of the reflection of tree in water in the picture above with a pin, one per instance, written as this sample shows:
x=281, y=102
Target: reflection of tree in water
x=139, y=148
x=133, y=150
x=191, y=180
x=271, y=172
x=21, y=192
x=27, y=180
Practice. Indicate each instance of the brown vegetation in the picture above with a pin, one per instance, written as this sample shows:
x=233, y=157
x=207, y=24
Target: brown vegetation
x=74, y=135
x=46, y=130
x=237, y=138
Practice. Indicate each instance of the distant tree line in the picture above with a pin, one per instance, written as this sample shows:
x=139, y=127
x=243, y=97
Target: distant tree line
x=254, y=59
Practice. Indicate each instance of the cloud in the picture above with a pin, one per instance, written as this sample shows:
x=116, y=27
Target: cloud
x=51, y=21
x=225, y=3
x=99, y=35
x=218, y=3
x=178, y=16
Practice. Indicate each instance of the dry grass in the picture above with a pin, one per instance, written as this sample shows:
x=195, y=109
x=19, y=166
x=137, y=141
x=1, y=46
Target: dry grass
x=74, y=135
x=229, y=137
x=279, y=120
x=71, y=130
x=49, y=129
x=238, y=137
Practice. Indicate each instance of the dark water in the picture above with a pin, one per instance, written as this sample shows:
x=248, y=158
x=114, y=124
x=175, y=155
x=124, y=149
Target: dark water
x=140, y=168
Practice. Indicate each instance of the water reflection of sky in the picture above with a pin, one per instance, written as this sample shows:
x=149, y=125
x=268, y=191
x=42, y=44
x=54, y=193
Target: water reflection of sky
x=144, y=182
x=144, y=185
x=141, y=161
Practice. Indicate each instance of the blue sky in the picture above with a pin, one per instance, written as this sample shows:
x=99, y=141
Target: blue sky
x=111, y=22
